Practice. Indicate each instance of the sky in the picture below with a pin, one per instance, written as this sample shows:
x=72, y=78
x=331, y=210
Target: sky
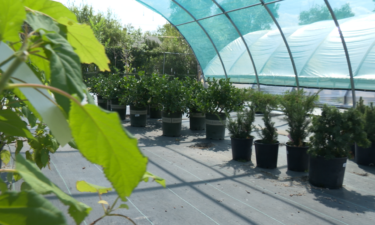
x=128, y=11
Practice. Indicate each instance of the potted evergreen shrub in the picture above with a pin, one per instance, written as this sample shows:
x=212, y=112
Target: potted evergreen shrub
x=361, y=108
x=96, y=85
x=113, y=89
x=155, y=84
x=240, y=131
x=216, y=101
x=333, y=132
x=261, y=100
x=365, y=155
x=137, y=96
x=174, y=96
x=197, y=117
x=297, y=107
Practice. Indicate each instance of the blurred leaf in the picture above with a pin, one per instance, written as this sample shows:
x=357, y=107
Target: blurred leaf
x=11, y=124
x=53, y=9
x=28, y=208
x=103, y=202
x=84, y=186
x=112, y=148
x=29, y=115
x=25, y=186
x=42, y=185
x=123, y=206
x=159, y=180
x=5, y=156
x=83, y=40
x=3, y=186
x=12, y=15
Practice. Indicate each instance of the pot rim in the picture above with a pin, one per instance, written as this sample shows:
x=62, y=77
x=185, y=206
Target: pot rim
x=259, y=143
x=322, y=157
x=251, y=138
x=286, y=144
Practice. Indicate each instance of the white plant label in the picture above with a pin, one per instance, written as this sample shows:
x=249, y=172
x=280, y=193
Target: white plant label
x=344, y=165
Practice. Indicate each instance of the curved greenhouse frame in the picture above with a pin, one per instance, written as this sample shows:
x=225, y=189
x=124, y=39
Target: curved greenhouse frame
x=318, y=44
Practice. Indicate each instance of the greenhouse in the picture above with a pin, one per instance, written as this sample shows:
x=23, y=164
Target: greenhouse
x=294, y=43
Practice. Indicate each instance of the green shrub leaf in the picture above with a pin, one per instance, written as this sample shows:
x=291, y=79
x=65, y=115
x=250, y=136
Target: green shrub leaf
x=101, y=138
x=53, y=9
x=42, y=185
x=84, y=186
x=12, y=15
x=11, y=124
x=88, y=48
x=19, y=146
x=28, y=208
x=5, y=156
x=159, y=180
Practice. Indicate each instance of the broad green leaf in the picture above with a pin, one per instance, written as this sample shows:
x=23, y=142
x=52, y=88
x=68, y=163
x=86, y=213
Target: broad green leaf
x=16, y=177
x=53, y=9
x=3, y=186
x=11, y=124
x=103, y=202
x=10, y=177
x=123, y=206
x=19, y=146
x=29, y=156
x=42, y=185
x=65, y=68
x=5, y=156
x=39, y=21
x=29, y=115
x=28, y=208
x=159, y=180
x=12, y=15
x=73, y=144
x=112, y=148
x=84, y=186
x=83, y=40
x=25, y=187
x=41, y=106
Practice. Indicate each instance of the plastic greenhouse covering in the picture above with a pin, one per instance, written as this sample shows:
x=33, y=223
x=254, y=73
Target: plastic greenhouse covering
x=292, y=43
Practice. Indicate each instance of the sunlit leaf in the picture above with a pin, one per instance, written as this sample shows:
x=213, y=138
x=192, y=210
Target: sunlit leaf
x=5, y=156
x=88, y=48
x=42, y=185
x=3, y=186
x=53, y=9
x=28, y=208
x=103, y=202
x=11, y=124
x=159, y=180
x=84, y=186
x=12, y=15
x=112, y=148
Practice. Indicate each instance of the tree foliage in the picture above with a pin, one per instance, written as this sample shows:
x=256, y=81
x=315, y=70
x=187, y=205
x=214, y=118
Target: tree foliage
x=320, y=13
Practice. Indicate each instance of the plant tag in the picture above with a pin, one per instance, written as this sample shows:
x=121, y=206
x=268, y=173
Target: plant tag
x=136, y=115
x=344, y=165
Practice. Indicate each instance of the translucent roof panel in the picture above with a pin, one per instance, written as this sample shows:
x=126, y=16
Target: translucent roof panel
x=281, y=43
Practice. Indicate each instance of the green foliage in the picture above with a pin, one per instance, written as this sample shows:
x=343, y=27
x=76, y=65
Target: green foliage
x=320, y=13
x=113, y=148
x=108, y=86
x=155, y=84
x=137, y=92
x=242, y=126
x=297, y=107
x=42, y=185
x=262, y=100
x=157, y=179
x=221, y=96
x=11, y=124
x=5, y=156
x=360, y=106
x=11, y=22
x=268, y=134
x=195, y=88
x=28, y=208
x=369, y=117
x=84, y=186
x=174, y=96
x=334, y=131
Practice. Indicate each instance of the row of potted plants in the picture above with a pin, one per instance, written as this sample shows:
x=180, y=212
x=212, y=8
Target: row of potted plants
x=325, y=156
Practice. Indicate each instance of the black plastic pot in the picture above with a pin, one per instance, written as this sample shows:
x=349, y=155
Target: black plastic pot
x=172, y=124
x=352, y=150
x=365, y=156
x=197, y=120
x=327, y=173
x=241, y=148
x=298, y=159
x=215, y=126
x=103, y=103
x=120, y=109
x=266, y=154
x=138, y=116
x=155, y=113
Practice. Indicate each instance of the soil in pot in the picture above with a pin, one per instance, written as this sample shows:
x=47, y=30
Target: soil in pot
x=266, y=154
x=103, y=103
x=120, y=109
x=365, y=156
x=215, y=126
x=297, y=158
x=155, y=113
x=241, y=148
x=138, y=116
x=197, y=120
x=327, y=173
x=171, y=124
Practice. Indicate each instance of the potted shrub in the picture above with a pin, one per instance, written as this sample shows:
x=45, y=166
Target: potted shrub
x=333, y=132
x=267, y=148
x=137, y=96
x=240, y=131
x=361, y=108
x=174, y=96
x=96, y=85
x=155, y=83
x=365, y=155
x=113, y=89
x=216, y=101
x=261, y=100
x=197, y=117
x=297, y=107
